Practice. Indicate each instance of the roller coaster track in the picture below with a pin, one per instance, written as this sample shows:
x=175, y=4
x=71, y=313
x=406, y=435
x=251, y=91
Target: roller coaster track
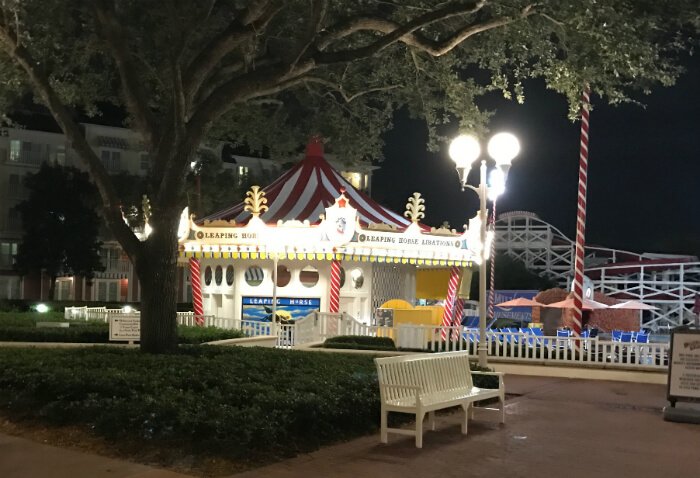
x=669, y=282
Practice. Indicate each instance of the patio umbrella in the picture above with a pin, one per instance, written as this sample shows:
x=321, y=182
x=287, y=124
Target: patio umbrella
x=520, y=302
x=633, y=305
x=588, y=304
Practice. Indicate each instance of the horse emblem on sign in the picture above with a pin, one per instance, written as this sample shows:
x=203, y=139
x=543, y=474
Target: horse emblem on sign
x=340, y=219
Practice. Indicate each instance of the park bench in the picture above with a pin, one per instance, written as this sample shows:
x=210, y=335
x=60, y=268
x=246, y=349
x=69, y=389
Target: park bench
x=422, y=383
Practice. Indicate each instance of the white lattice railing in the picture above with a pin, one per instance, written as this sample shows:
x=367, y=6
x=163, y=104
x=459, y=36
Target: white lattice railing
x=524, y=347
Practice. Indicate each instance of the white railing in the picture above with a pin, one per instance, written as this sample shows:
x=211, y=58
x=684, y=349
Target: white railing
x=88, y=313
x=526, y=347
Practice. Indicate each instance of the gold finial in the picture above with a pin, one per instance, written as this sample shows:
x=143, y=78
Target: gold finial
x=415, y=208
x=255, y=202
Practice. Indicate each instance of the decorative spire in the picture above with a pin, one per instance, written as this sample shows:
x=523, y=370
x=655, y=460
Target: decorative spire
x=415, y=208
x=256, y=201
x=314, y=148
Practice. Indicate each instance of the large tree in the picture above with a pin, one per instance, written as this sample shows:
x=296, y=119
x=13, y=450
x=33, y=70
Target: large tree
x=268, y=72
x=60, y=224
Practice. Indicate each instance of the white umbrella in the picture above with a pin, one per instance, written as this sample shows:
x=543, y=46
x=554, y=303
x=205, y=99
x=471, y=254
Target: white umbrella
x=633, y=305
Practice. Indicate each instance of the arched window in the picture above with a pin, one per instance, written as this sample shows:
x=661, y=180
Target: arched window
x=254, y=276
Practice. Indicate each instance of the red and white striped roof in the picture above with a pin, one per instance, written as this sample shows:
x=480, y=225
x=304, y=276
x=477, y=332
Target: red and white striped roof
x=306, y=190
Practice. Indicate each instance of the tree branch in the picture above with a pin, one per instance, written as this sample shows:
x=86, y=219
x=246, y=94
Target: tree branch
x=42, y=85
x=237, y=33
x=344, y=94
x=395, y=32
x=135, y=95
x=261, y=82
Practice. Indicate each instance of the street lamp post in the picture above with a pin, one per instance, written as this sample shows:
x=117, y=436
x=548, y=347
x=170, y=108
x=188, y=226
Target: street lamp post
x=465, y=150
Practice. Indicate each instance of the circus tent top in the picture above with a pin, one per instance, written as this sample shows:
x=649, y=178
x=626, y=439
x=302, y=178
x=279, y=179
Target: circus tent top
x=303, y=193
x=312, y=212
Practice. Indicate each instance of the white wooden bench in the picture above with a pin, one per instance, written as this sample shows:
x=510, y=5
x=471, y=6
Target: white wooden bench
x=422, y=383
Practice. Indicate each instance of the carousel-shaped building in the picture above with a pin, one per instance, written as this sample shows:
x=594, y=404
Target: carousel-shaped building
x=311, y=241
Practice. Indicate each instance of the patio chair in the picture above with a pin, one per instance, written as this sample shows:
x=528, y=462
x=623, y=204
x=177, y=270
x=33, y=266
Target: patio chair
x=642, y=338
x=616, y=335
x=626, y=337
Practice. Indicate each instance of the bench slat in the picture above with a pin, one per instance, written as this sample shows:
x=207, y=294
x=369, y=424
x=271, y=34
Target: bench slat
x=423, y=383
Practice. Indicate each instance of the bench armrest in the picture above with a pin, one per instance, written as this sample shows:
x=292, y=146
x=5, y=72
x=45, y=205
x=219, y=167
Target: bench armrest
x=500, y=375
x=415, y=388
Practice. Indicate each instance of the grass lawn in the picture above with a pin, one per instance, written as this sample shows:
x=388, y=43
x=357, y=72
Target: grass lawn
x=247, y=405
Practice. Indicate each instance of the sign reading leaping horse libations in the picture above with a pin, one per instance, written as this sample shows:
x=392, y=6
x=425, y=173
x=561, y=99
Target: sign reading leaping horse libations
x=125, y=327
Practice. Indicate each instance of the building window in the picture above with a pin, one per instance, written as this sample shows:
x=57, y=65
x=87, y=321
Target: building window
x=14, y=187
x=8, y=252
x=283, y=276
x=308, y=276
x=111, y=160
x=355, y=179
x=15, y=149
x=61, y=155
x=218, y=275
x=111, y=257
x=13, y=220
x=242, y=174
x=254, y=276
x=145, y=162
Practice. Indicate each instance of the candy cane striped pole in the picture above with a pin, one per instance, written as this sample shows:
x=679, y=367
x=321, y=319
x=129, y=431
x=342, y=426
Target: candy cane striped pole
x=334, y=297
x=196, y=282
x=492, y=291
x=448, y=309
x=581, y=215
x=457, y=320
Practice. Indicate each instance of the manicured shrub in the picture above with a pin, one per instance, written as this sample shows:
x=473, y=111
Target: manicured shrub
x=360, y=342
x=238, y=402
x=21, y=327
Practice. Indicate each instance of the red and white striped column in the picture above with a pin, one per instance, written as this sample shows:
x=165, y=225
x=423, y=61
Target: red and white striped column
x=581, y=213
x=196, y=281
x=457, y=316
x=448, y=309
x=492, y=290
x=334, y=296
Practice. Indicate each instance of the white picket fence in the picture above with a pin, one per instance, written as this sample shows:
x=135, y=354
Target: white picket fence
x=92, y=313
x=528, y=348
x=518, y=347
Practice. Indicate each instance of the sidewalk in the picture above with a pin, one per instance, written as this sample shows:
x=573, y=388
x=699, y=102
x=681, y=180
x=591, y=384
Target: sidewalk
x=20, y=458
x=554, y=427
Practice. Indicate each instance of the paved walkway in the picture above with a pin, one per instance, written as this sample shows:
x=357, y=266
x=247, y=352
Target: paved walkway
x=554, y=427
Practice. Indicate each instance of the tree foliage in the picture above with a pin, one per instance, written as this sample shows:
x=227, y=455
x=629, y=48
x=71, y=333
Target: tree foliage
x=511, y=274
x=60, y=224
x=270, y=72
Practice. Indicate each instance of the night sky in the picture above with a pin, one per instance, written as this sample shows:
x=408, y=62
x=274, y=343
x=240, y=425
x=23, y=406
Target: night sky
x=644, y=168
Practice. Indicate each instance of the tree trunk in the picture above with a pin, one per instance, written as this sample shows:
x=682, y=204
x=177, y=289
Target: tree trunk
x=156, y=267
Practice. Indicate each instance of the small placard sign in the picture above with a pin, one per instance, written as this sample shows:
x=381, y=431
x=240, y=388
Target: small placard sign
x=125, y=327
x=384, y=317
x=684, y=365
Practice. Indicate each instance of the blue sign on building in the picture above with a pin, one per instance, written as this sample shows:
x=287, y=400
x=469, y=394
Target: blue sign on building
x=517, y=313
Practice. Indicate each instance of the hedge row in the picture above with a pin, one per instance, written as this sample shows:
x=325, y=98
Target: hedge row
x=235, y=402
x=21, y=327
x=359, y=342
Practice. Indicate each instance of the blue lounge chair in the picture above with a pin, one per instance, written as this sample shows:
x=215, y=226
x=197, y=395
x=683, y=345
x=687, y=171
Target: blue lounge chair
x=626, y=337
x=616, y=335
x=642, y=338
